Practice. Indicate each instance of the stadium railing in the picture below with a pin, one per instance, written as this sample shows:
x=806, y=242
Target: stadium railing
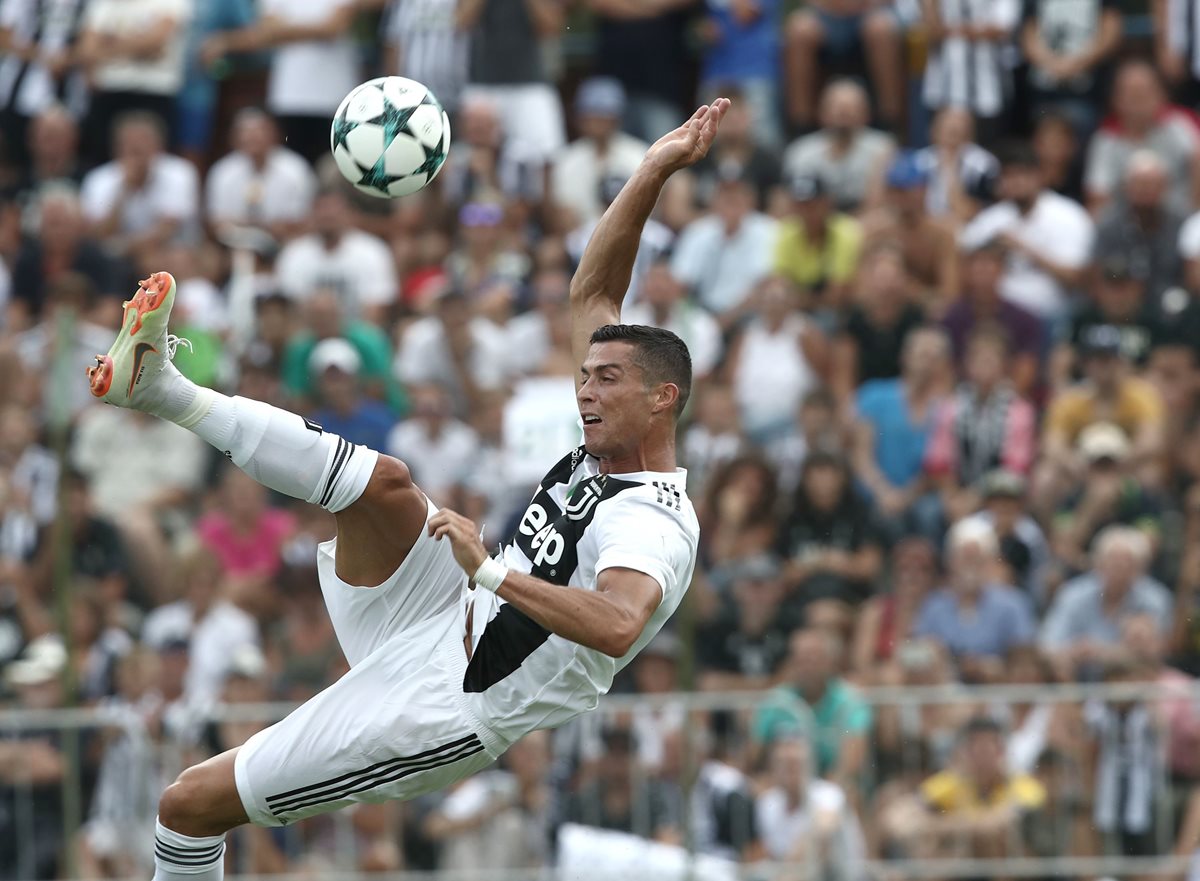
x=958, y=855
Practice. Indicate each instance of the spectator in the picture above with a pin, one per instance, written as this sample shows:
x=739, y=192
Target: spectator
x=144, y=198
x=480, y=167
x=645, y=48
x=53, y=153
x=663, y=304
x=714, y=436
x=1108, y=391
x=424, y=43
x=819, y=704
x=742, y=50
x=1047, y=237
x=1059, y=151
x=341, y=405
x=886, y=620
x=462, y=352
x=483, y=262
x=928, y=245
x=818, y=428
x=507, y=68
x=39, y=42
x=32, y=765
x=773, y=361
x=437, y=447
x=1083, y=626
x=849, y=157
x=837, y=30
x=975, y=806
x=818, y=248
x=208, y=621
x=807, y=821
x=739, y=513
x=1145, y=231
x=1120, y=303
x=132, y=52
x=497, y=820
x=830, y=543
x=1109, y=495
x=984, y=425
x=60, y=248
x=1068, y=45
x=976, y=618
x=260, y=183
x=538, y=339
x=961, y=174
x=743, y=647
x=968, y=67
x=334, y=255
x=738, y=151
x=244, y=533
x=325, y=321
x=601, y=151
x=1024, y=551
x=314, y=65
x=869, y=342
x=722, y=256
x=1141, y=121
x=894, y=420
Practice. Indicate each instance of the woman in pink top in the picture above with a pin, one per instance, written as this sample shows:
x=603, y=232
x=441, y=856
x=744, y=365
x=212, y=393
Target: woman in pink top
x=244, y=533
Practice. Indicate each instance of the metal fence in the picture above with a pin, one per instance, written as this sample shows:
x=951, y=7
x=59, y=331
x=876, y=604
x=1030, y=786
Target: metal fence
x=1097, y=783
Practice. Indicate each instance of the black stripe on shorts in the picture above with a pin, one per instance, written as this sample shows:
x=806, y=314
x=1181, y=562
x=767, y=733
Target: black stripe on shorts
x=387, y=771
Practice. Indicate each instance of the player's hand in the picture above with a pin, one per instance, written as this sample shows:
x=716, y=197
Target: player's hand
x=464, y=538
x=689, y=143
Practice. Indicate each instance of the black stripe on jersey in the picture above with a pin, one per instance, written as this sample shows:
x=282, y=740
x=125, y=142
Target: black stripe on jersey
x=510, y=638
x=351, y=782
x=339, y=461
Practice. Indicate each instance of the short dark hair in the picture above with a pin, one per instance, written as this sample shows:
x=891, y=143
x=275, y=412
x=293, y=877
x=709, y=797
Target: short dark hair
x=661, y=355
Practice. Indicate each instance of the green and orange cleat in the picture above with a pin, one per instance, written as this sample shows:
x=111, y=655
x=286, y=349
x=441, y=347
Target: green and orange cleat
x=143, y=347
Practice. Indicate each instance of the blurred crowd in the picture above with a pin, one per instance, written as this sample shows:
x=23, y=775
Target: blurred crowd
x=940, y=277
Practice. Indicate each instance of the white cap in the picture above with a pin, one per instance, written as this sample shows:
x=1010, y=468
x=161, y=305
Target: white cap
x=1103, y=440
x=334, y=352
x=42, y=661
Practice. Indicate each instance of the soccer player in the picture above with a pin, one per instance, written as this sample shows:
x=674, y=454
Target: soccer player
x=453, y=655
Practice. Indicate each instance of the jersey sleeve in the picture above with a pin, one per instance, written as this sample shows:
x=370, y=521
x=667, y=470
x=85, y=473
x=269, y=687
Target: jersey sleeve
x=640, y=533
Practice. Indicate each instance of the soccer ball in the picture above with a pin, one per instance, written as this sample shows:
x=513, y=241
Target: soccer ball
x=390, y=136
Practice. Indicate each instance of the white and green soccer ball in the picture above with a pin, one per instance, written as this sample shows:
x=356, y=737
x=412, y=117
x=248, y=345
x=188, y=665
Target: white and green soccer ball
x=390, y=137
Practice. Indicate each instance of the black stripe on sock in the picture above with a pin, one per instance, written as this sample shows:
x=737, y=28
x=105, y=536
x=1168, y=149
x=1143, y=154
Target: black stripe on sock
x=339, y=461
x=390, y=775
x=282, y=796
x=188, y=852
x=172, y=859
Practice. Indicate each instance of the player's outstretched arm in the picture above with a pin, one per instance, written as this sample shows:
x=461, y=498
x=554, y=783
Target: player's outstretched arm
x=604, y=272
x=609, y=619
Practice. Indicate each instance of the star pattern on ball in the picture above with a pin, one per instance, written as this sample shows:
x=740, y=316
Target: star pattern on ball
x=341, y=130
x=392, y=123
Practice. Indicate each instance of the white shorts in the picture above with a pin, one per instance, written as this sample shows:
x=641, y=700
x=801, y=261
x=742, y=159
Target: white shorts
x=531, y=115
x=397, y=725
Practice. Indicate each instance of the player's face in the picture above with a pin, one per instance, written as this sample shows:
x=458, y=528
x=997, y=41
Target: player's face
x=614, y=401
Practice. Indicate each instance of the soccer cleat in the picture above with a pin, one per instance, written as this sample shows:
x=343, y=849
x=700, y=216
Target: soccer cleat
x=143, y=346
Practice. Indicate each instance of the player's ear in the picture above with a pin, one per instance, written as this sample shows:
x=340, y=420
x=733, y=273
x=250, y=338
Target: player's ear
x=665, y=397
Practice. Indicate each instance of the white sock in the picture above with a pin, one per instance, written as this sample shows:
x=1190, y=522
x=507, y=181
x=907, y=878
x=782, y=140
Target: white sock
x=279, y=449
x=183, y=858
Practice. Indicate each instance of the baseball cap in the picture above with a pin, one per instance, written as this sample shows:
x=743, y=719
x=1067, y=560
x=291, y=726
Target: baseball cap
x=1001, y=483
x=43, y=660
x=906, y=172
x=806, y=187
x=1103, y=440
x=600, y=96
x=1101, y=339
x=334, y=352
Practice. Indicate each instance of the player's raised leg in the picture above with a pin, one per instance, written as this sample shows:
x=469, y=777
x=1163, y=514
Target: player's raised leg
x=380, y=511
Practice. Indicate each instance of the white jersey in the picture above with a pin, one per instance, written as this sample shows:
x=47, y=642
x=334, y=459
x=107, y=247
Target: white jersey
x=580, y=522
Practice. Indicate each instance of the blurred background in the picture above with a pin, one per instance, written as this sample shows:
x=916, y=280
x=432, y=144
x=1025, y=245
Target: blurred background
x=939, y=278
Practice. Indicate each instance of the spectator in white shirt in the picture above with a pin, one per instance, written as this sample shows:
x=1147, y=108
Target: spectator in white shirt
x=314, y=65
x=602, y=150
x=133, y=51
x=438, y=448
x=145, y=197
x=724, y=254
x=358, y=265
x=456, y=349
x=1048, y=237
x=664, y=304
x=260, y=183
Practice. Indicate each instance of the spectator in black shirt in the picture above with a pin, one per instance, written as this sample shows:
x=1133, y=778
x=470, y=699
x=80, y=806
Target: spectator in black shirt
x=1119, y=301
x=830, y=542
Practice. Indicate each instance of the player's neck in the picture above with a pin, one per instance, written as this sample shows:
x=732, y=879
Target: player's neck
x=657, y=457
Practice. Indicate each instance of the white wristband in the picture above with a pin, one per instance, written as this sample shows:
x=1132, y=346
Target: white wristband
x=490, y=575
